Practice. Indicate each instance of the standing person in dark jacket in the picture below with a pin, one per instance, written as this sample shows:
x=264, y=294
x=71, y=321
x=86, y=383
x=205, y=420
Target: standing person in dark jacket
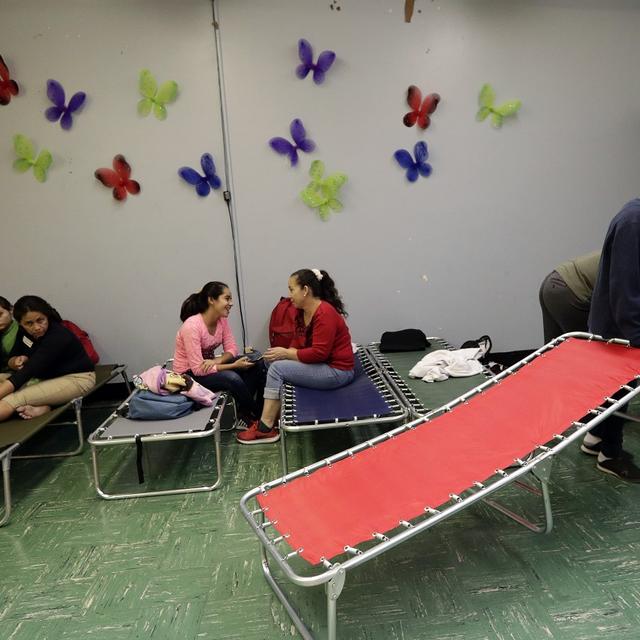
x=320, y=355
x=615, y=313
x=47, y=351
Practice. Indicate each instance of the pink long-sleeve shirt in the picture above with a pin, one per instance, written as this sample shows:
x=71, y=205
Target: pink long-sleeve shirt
x=194, y=345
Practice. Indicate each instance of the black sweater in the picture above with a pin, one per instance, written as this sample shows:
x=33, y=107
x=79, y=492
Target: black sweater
x=57, y=353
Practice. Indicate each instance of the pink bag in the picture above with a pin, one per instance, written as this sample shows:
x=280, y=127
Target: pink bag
x=154, y=379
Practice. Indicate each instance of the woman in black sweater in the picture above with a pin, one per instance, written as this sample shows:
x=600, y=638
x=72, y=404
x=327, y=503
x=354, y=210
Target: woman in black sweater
x=49, y=364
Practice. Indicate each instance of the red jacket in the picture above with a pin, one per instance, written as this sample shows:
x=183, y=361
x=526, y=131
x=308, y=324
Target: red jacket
x=326, y=338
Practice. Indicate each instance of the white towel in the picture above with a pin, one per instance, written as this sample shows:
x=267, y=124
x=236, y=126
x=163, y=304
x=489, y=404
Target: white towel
x=442, y=364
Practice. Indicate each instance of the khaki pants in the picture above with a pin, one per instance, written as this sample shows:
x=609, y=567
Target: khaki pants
x=52, y=392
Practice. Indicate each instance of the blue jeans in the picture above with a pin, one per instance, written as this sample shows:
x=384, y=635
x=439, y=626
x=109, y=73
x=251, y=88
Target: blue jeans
x=314, y=376
x=245, y=385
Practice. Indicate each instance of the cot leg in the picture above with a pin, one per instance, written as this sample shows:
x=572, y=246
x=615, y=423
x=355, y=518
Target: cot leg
x=541, y=473
x=283, y=451
x=77, y=407
x=334, y=589
x=286, y=603
x=6, y=468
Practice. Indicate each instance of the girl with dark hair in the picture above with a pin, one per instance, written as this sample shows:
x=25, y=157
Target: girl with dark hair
x=205, y=328
x=49, y=364
x=320, y=355
x=8, y=334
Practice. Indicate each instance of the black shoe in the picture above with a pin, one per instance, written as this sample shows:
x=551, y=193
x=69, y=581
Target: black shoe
x=622, y=468
x=594, y=450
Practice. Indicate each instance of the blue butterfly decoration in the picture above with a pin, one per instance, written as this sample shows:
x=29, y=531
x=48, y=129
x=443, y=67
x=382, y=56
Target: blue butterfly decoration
x=60, y=110
x=417, y=167
x=205, y=183
x=300, y=142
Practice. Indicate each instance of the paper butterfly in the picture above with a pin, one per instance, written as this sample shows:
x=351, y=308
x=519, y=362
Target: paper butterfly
x=154, y=97
x=119, y=178
x=302, y=143
x=322, y=193
x=59, y=111
x=26, y=158
x=486, y=99
x=8, y=87
x=420, y=109
x=205, y=183
x=305, y=53
x=420, y=166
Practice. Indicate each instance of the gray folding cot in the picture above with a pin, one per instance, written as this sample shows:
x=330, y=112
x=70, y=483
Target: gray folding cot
x=120, y=431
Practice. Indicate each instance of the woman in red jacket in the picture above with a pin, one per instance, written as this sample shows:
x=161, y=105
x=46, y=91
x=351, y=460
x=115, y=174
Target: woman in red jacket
x=320, y=355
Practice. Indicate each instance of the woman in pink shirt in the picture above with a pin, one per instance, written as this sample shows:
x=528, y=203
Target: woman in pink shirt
x=205, y=328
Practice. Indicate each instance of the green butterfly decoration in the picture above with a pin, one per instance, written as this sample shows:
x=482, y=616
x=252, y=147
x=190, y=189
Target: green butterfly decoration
x=27, y=158
x=486, y=101
x=153, y=97
x=321, y=193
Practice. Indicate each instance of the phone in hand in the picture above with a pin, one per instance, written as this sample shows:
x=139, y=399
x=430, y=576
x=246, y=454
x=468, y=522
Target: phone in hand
x=253, y=356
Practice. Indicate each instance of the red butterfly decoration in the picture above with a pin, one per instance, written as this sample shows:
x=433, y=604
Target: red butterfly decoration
x=8, y=87
x=420, y=109
x=120, y=179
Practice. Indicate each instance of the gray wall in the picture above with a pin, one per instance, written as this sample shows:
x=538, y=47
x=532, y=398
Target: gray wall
x=458, y=254
x=501, y=209
x=120, y=270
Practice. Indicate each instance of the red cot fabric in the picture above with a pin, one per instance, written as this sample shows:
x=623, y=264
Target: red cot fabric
x=395, y=480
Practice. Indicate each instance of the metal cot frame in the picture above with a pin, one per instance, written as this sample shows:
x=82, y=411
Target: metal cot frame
x=413, y=403
x=290, y=424
x=101, y=438
x=76, y=404
x=333, y=574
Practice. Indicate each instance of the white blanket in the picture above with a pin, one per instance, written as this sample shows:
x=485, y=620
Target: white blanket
x=440, y=365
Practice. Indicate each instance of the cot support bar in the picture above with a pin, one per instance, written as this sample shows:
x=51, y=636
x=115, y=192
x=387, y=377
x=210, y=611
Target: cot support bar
x=334, y=589
x=302, y=628
x=283, y=451
x=542, y=473
x=626, y=416
x=6, y=478
x=77, y=407
x=165, y=492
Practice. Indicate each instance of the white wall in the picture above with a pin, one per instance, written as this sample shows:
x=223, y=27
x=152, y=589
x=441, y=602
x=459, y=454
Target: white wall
x=501, y=209
x=120, y=270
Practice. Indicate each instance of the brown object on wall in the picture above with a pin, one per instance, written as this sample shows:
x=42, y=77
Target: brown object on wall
x=408, y=10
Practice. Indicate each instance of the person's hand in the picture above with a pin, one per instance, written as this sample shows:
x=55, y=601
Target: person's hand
x=275, y=353
x=17, y=362
x=243, y=363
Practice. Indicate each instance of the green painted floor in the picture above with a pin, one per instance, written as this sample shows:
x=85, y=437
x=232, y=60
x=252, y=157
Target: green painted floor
x=186, y=567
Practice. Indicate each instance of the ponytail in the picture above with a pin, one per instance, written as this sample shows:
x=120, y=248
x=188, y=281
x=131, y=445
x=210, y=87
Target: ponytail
x=322, y=286
x=198, y=302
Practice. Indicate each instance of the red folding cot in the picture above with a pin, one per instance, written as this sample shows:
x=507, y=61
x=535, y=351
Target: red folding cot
x=321, y=521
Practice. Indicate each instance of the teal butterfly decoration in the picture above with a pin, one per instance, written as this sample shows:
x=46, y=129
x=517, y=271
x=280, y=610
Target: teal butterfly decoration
x=154, y=97
x=322, y=193
x=27, y=158
x=486, y=100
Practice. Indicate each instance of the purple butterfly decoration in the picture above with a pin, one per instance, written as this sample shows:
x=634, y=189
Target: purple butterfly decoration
x=59, y=111
x=305, y=53
x=302, y=143
x=417, y=167
x=205, y=183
